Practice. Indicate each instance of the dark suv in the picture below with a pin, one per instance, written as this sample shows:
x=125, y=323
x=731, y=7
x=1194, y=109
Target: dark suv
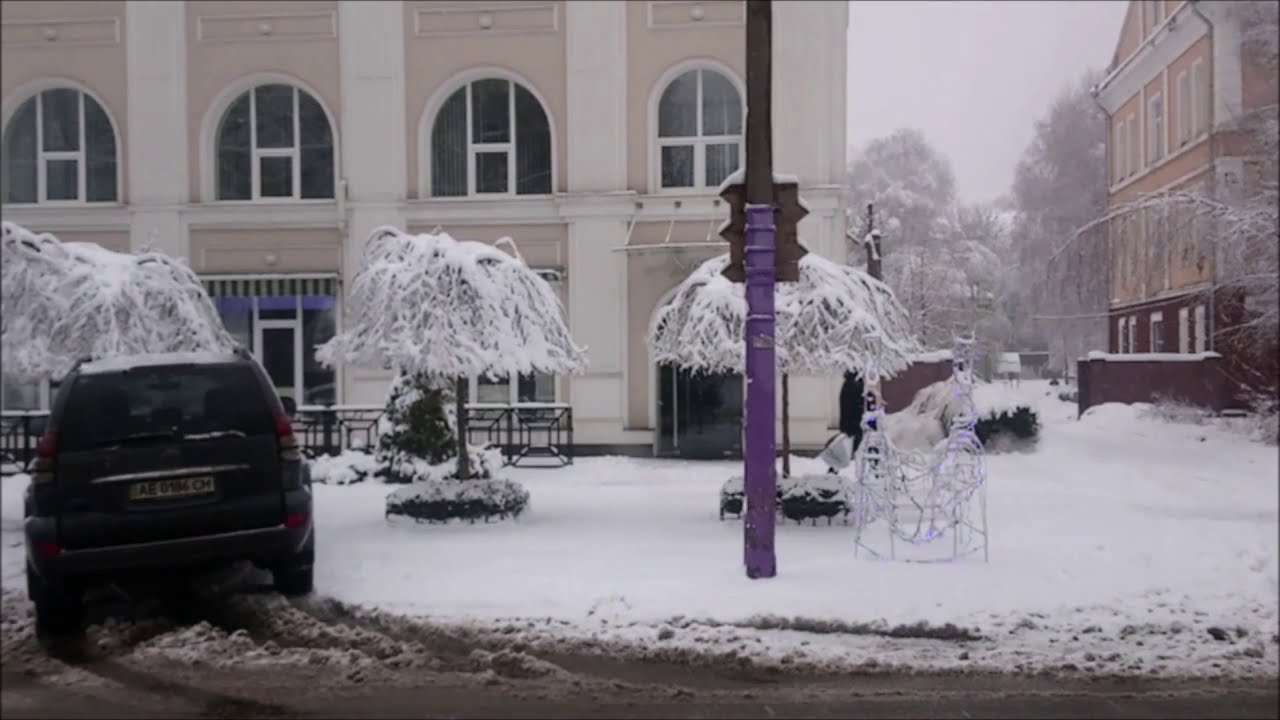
x=160, y=463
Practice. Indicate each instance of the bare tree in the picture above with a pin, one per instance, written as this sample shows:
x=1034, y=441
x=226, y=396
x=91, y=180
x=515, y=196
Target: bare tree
x=944, y=260
x=1060, y=299
x=912, y=188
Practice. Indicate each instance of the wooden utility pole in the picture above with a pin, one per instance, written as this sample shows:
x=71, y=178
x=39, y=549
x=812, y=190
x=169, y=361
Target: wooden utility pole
x=759, y=135
x=872, y=243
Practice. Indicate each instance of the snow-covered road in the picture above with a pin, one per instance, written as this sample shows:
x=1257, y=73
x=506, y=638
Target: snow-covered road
x=1121, y=545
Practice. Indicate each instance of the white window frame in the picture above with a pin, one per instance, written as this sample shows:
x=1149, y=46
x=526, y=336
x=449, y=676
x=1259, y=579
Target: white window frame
x=44, y=398
x=475, y=148
x=46, y=156
x=1156, y=317
x=513, y=392
x=1201, y=329
x=1185, y=107
x=1134, y=146
x=1133, y=333
x=1157, y=138
x=1121, y=152
x=43, y=156
x=1184, y=330
x=294, y=325
x=699, y=142
x=257, y=153
x=1121, y=336
x=1199, y=96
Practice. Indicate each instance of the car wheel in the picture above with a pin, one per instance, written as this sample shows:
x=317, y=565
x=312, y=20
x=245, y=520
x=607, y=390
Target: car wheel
x=59, y=608
x=294, y=581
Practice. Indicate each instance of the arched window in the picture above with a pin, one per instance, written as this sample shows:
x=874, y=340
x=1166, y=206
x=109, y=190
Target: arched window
x=699, y=130
x=60, y=146
x=490, y=137
x=274, y=142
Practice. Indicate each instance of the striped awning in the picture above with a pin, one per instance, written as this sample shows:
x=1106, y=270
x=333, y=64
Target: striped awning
x=550, y=274
x=271, y=285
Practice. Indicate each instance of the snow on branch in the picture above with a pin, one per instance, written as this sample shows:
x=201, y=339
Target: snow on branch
x=450, y=309
x=823, y=321
x=63, y=302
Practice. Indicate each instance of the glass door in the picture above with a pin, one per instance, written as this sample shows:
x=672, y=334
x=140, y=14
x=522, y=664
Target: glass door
x=283, y=333
x=277, y=350
x=699, y=414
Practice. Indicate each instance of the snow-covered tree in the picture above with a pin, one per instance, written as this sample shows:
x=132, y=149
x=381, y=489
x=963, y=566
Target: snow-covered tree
x=943, y=259
x=432, y=306
x=908, y=180
x=982, y=262
x=912, y=188
x=823, y=323
x=1060, y=184
x=64, y=302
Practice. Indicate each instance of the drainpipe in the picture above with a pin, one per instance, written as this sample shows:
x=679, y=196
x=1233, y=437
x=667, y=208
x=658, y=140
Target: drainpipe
x=1211, y=311
x=1094, y=92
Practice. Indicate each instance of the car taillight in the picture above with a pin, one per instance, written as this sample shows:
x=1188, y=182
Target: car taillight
x=295, y=520
x=46, y=451
x=288, y=443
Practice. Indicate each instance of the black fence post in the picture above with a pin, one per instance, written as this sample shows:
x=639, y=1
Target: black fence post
x=568, y=414
x=328, y=421
x=509, y=451
x=1084, y=386
x=26, y=442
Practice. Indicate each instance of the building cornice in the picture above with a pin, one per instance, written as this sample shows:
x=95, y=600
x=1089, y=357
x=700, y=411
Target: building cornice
x=482, y=211
x=256, y=215
x=108, y=217
x=1178, y=33
x=822, y=201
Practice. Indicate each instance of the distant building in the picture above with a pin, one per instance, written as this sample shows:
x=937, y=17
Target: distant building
x=1176, y=81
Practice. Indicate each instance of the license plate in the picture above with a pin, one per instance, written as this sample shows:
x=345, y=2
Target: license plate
x=172, y=488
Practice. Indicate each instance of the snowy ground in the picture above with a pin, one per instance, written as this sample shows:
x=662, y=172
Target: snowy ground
x=1121, y=545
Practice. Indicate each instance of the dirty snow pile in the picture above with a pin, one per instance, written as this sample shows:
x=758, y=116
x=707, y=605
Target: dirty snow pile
x=61, y=302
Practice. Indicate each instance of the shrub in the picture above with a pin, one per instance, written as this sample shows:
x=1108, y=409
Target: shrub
x=800, y=498
x=1006, y=429
x=471, y=500
x=416, y=430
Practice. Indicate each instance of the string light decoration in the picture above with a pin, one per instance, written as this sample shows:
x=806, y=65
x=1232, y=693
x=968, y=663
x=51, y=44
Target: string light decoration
x=922, y=499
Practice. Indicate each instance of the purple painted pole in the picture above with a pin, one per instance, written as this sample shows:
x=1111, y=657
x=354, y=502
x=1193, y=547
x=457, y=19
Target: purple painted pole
x=760, y=480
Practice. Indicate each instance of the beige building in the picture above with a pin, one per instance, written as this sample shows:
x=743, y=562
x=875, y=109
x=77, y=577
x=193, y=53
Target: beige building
x=264, y=140
x=1177, y=83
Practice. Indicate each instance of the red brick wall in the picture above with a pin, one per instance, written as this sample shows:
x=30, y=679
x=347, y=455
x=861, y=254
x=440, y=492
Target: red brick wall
x=1244, y=366
x=1197, y=380
x=901, y=390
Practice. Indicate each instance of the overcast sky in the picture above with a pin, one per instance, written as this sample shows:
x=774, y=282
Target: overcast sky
x=973, y=76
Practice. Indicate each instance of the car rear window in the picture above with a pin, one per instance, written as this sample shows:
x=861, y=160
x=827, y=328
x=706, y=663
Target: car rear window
x=153, y=403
